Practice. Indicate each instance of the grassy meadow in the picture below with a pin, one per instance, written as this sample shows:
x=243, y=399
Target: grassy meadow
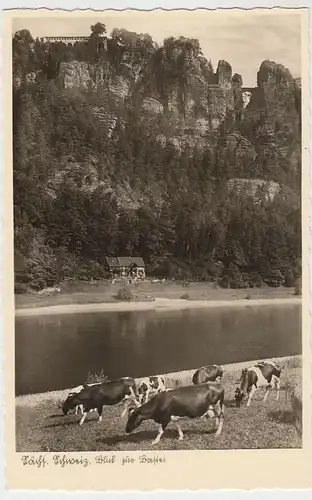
x=41, y=426
x=98, y=292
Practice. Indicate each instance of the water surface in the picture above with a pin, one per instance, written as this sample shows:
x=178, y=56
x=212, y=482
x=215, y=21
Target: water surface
x=58, y=351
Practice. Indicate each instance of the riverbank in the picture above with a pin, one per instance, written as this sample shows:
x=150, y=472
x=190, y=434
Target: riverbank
x=147, y=293
x=158, y=303
x=41, y=427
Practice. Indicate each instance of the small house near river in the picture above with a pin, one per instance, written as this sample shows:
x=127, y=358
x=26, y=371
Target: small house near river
x=131, y=267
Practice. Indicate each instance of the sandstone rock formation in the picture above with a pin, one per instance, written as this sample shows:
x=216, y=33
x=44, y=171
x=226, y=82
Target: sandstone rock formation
x=75, y=74
x=224, y=80
x=260, y=124
x=217, y=106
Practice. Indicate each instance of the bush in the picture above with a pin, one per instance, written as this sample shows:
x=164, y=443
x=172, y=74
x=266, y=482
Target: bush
x=274, y=278
x=93, y=378
x=90, y=271
x=185, y=296
x=255, y=280
x=125, y=294
x=233, y=278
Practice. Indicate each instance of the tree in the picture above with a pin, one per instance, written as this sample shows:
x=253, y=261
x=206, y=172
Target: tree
x=98, y=29
x=23, y=58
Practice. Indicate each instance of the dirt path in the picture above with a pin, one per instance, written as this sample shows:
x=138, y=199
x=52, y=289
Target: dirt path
x=158, y=303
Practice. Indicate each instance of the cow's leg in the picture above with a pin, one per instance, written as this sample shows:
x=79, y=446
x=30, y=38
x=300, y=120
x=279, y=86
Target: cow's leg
x=76, y=409
x=165, y=421
x=219, y=410
x=137, y=402
x=161, y=430
x=100, y=411
x=251, y=393
x=83, y=417
x=134, y=397
x=266, y=393
x=278, y=386
x=126, y=404
x=175, y=420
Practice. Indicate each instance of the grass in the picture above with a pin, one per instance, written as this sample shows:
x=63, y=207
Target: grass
x=106, y=292
x=43, y=428
x=93, y=378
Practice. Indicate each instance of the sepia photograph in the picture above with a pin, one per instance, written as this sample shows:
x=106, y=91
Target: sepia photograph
x=157, y=203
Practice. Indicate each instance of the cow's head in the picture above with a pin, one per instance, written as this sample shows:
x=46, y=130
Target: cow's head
x=70, y=403
x=134, y=419
x=239, y=396
x=240, y=391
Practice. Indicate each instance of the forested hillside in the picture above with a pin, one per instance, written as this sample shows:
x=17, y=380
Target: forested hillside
x=124, y=147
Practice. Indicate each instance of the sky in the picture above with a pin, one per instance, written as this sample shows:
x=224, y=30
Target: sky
x=243, y=38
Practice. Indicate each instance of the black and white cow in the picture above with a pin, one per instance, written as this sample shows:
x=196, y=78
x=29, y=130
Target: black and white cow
x=102, y=394
x=149, y=386
x=193, y=401
x=77, y=390
x=210, y=373
x=262, y=374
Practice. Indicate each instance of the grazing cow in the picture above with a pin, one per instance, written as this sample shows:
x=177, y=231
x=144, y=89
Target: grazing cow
x=188, y=401
x=78, y=389
x=208, y=374
x=263, y=374
x=99, y=395
x=150, y=386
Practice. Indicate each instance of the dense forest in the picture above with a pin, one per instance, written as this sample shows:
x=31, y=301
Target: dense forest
x=126, y=147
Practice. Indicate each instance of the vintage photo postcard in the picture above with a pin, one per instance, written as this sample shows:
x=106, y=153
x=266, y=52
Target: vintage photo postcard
x=156, y=305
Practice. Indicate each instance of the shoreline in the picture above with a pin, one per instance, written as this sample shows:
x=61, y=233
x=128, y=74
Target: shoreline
x=157, y=304
x=172, y=379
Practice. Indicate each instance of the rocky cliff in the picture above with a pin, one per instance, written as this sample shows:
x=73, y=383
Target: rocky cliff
x=137, y=149
x=178, y=98
x=258, y=125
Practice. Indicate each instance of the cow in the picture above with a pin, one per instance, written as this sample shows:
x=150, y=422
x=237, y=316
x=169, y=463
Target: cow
x=263, y=374
x=193, y=401
x=150, y=386
x=208, y=374
x=78, y=389
x=99, y=395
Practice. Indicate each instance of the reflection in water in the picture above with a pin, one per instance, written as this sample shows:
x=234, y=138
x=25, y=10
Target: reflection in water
x=58, y=351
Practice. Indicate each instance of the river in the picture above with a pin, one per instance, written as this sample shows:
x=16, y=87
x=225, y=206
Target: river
x=58, y=351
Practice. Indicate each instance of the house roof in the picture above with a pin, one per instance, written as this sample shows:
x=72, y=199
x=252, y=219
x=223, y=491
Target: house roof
x=125, y=261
